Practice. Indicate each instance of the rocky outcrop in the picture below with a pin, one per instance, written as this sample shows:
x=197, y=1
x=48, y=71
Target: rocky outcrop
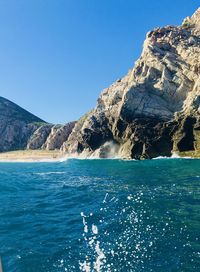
x=39, y=137
x=16, y=126
x=58, y=135
x=50, y=137
x=154, y=109
x=20, y=129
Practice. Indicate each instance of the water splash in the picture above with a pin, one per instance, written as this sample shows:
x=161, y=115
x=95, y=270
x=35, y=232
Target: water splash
x=137, y=234
x=94, y=244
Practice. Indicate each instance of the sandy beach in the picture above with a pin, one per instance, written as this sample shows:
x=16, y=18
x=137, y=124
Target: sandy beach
x=31, y=156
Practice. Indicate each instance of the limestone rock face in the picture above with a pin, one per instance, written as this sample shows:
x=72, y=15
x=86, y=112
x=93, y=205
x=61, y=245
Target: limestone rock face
x=16, y=126
x=50, y=137
x=39, y=137
x=155, y=108
x=57, y=136
x=20, y=129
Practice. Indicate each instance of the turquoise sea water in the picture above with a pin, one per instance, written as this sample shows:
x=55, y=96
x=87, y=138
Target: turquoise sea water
x=100, y=215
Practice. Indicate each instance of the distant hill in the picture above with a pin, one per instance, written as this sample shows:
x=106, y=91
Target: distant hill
x=10, y=111
x=16, y=125
x=20, y=129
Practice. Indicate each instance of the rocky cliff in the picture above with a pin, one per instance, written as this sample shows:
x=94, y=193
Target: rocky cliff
x=50, y=137
x=154, y=109
x=19, y=129
x=16, y=125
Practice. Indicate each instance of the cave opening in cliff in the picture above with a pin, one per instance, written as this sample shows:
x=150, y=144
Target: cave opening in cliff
x=187, y=142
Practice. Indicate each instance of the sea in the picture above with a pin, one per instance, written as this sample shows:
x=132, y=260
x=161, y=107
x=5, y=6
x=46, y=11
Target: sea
x=100, y=215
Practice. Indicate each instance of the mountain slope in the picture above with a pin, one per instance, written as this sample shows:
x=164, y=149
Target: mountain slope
x=154, y=109
x=16, y=125
x=12, y=111
x=19, y=129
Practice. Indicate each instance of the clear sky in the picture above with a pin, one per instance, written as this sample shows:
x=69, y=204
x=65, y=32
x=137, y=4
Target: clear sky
x=56, y=56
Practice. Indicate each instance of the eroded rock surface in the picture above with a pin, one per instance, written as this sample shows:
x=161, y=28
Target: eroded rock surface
x=39, y=137
x=154, y=109
x=58, y=135
x=20, y=130
x=16, y=126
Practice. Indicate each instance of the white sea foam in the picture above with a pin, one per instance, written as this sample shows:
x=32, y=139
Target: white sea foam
x=91, y=239
x=173, y=156
x=130, y=244
x=50, y=173
x=101, y=258
x=94, y=229
x=104, y=201
x=161, y=157
x=113, y=155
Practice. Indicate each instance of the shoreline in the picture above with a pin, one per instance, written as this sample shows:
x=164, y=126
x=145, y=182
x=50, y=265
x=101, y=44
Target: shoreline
x=34, y=156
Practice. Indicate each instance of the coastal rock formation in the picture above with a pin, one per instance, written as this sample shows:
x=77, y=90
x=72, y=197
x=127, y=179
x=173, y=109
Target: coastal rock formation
x=58, y=135
x=154, y=109
x=16, y=126
x=20, y=130
x=39, y=137
x=50, y=137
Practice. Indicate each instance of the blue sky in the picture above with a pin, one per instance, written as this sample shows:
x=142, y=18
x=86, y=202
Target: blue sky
x=56, y=56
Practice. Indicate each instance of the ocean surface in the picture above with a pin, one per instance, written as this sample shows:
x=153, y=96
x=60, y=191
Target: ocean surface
x=100, y=215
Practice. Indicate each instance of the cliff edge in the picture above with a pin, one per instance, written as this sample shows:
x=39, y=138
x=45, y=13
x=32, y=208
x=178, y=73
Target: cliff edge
x=154, y=109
